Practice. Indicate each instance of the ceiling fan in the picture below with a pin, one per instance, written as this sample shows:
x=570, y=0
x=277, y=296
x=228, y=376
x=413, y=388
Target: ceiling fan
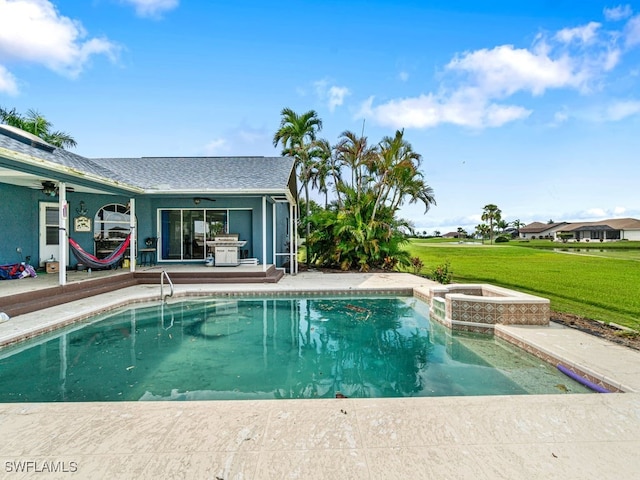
x=50, y=189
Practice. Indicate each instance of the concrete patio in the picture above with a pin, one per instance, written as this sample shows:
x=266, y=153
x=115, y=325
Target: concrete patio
x=536, y=436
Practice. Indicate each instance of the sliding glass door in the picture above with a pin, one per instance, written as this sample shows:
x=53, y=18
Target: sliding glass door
x=185, y=232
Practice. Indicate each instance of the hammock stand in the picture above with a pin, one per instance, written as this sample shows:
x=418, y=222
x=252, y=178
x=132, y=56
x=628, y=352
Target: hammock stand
x=94, y=262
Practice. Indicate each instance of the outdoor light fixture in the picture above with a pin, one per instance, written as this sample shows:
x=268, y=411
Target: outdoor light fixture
x=197, y=200
x=49, y=189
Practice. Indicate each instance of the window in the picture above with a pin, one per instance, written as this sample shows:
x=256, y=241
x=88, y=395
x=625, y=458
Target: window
x=111, y=223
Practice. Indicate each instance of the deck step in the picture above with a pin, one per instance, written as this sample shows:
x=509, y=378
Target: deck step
x=32, y=301
x=50, y=297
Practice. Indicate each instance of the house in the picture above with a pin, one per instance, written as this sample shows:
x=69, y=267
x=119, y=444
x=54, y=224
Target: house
x=179, y=205
x=604, y=230
x=539, y=230
x=609, y=230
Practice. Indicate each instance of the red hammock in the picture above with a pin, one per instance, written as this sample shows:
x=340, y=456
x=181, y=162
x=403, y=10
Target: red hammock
x=94, y=262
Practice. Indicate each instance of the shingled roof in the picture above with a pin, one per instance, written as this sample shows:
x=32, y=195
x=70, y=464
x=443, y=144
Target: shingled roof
x=610, y=224
x=539, y=227
x=166, y=175
x=204, y=174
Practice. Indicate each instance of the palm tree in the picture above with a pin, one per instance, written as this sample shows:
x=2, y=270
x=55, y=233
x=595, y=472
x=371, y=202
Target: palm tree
x=324, y=168
x=354, y=153
x=396, y=175
x=482, y=230
x=297, y=134
x=36, y=124
x=491, y=213
x=517, y=224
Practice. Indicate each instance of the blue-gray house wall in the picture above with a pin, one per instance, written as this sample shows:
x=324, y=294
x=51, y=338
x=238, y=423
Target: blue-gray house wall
x=19, y=213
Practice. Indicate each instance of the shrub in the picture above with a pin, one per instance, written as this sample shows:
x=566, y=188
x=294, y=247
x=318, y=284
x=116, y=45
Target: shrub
x=442, y=273
x=502, y=239
x=416, y=264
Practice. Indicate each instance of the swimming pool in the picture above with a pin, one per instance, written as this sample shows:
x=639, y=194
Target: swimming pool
x=260, y=348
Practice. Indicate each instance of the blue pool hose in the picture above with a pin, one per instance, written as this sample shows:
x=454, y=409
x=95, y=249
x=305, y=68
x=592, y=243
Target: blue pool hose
x=582, y=380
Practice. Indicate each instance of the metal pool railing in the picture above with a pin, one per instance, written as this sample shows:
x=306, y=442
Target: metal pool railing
x=164, y=275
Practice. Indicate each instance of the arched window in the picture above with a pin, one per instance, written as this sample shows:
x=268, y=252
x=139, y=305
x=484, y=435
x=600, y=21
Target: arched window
x=110, y=228
x=111, y=223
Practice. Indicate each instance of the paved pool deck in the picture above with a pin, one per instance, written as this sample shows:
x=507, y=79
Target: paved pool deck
x=510, y=437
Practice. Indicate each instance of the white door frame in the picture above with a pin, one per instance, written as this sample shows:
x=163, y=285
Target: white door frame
x=45, y=250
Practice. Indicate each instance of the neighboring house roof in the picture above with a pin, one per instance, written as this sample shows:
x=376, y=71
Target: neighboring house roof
x=22, y=152
x=539, y=227
x=451, y=235
x=610, y=224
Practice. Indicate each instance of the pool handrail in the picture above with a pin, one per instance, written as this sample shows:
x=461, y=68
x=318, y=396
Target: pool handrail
x=164, y=275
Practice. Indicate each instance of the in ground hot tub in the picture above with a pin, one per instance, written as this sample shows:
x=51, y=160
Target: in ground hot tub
x=480, y=307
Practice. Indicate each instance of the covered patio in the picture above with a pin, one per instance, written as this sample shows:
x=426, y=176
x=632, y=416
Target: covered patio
x=174, y=210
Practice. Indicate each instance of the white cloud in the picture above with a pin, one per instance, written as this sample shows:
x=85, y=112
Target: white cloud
x=8, y=82
x=477, y=85
x=560, y=117
x=336, y=96
x=403, y=76
x=429, y=110
x=584, y=34
x=631, y=32
x=240, y=140
x=216, y=147
x=618, y=211
x=618, y=13
x=333, y=95
x=152, y=8
x=622, y=109
x=33, y=31
x=505, y=70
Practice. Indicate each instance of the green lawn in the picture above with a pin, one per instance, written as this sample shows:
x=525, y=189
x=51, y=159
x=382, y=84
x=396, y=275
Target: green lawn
x=585, y=283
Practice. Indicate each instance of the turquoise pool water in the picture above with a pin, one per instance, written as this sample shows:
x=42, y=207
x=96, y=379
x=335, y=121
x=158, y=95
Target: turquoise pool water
x=258, y=348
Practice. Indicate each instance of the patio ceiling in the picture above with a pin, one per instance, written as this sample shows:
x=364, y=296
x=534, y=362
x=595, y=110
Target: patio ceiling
x=33, y=181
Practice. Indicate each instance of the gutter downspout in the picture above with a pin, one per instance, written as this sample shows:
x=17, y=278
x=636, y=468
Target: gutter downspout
x=62, y=233
x=292, y=269
x=133, y=246
x=264, y=233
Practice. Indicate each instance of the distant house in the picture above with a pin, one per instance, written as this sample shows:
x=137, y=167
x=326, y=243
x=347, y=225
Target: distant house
x=451, y=235
x=539, y=230
x=603, y=231
x=180, y=205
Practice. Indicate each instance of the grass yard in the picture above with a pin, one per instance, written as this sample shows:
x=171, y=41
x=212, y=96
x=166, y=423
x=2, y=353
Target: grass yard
x=595, y=286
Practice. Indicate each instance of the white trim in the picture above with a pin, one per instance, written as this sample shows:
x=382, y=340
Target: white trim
x=63, y=208
x=264, y=233
x=133, y=241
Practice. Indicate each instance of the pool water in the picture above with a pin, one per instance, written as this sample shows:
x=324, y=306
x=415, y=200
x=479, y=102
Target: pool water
x=258, y=348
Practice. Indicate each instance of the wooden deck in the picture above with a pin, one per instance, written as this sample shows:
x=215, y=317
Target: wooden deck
x=26, y=295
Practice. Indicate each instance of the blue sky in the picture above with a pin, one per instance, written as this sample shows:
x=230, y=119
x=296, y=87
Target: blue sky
x=532, y=106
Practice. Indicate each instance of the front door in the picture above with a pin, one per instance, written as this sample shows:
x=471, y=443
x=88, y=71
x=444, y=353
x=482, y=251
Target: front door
x=49, y=237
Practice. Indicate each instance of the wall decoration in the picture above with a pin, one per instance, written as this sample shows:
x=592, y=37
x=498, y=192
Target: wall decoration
x=82, y=224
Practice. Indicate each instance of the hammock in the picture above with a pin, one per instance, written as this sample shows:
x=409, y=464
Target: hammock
x=94, y=262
